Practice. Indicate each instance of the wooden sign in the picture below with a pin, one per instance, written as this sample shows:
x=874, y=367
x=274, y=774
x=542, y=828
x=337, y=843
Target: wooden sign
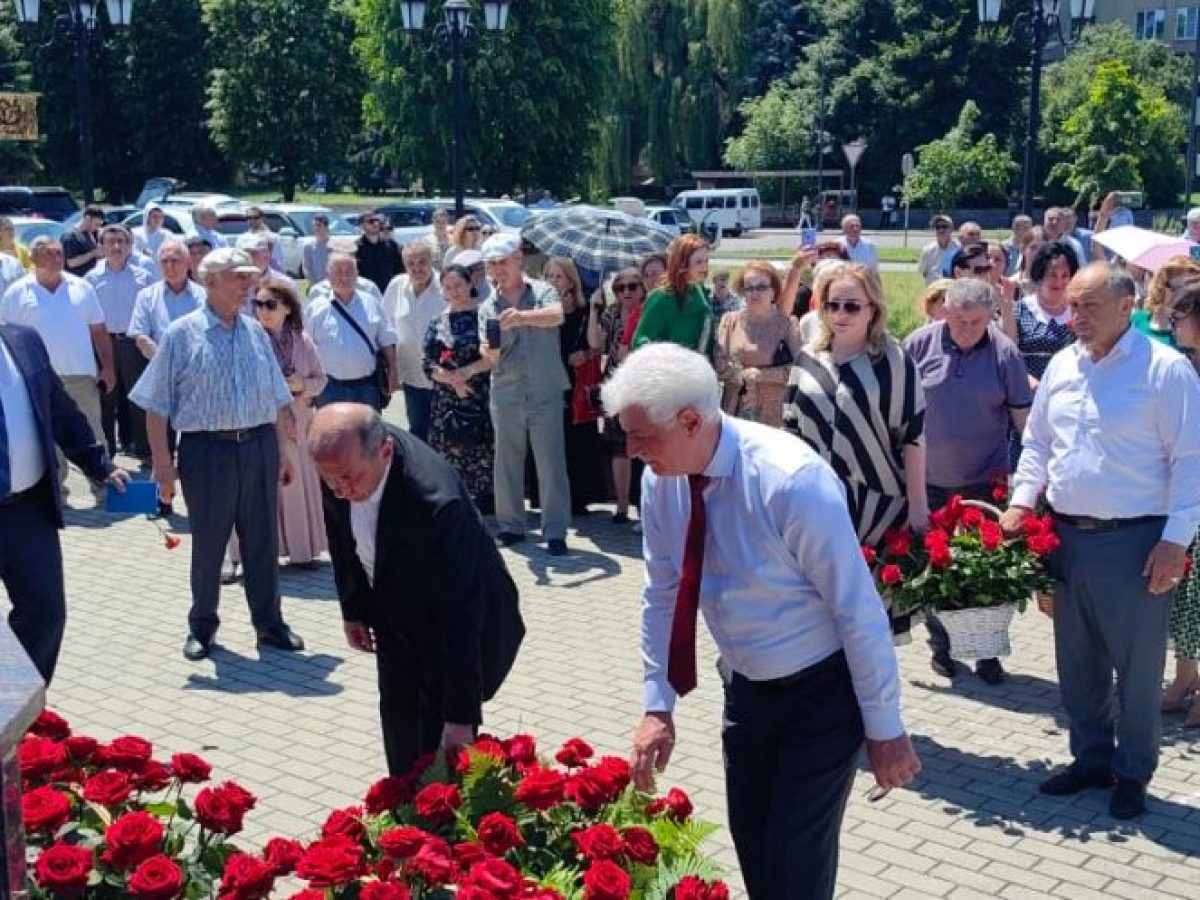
x=18, y=117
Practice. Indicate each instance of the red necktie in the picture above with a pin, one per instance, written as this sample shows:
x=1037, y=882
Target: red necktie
x=681, y=662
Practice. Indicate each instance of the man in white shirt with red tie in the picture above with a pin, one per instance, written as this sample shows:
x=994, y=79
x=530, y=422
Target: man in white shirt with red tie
x=806, y=653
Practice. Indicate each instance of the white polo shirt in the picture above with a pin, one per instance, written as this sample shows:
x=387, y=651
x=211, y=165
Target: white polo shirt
x=25, y=465
x=62, y=317
x=344, y=354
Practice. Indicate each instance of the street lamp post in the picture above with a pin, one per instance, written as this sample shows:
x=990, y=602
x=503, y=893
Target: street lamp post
x=457, y=33
x=80, y=26
x=1040, y=22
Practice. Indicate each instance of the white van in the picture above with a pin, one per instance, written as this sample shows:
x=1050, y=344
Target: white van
x=735, y=210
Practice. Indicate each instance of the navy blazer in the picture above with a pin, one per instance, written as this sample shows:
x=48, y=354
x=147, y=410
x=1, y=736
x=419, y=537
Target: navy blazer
x=441, y=590
x=59, y=420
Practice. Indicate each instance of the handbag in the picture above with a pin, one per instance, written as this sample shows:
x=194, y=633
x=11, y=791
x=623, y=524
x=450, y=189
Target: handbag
x=381, y=365
x=585, y=394
x=783, y=355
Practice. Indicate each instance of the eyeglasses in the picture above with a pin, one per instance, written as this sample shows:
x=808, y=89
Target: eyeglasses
x=473, y=228
x=1175, y=317
x=627, y=288
x=762, y=288
x=941, y=227
x=272, y=304
x=851, y=307
x=982, y=270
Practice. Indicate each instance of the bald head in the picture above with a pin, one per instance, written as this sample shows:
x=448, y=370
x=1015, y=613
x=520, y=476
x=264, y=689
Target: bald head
x=1101, y=298
x=351, y=449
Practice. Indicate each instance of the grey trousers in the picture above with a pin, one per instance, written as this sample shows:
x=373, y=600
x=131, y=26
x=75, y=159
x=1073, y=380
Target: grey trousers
x=1105, y=621
x=85, y=391
x=538, y=420
x=231, y=486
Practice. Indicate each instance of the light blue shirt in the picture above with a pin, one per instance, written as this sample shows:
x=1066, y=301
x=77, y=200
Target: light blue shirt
x=207, y=376
x=117, y=292
x=11, y=271
x=784, y=584
x=215, y=239
x=158, y=306
x=863, y=253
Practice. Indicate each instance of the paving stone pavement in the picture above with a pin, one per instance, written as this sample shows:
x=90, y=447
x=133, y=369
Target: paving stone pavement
x=301, y=730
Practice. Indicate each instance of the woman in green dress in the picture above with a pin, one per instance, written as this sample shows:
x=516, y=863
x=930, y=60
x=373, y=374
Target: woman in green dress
x=678, y=311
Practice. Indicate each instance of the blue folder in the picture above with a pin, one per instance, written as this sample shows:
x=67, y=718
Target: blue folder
x=139, y=497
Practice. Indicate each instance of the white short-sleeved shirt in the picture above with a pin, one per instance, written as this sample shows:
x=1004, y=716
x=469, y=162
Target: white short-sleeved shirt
x=344, y=354
x=62, y=317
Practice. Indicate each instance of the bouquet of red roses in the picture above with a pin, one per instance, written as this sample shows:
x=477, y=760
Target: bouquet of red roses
x=109, y=820
x=963, y=561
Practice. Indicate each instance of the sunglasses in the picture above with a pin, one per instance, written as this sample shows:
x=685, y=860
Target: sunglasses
x=941, y=227
x=272, y=304
x=981, y=270
x=851, y=307
x=473, y=228
x=628, y=287
x=756, y=288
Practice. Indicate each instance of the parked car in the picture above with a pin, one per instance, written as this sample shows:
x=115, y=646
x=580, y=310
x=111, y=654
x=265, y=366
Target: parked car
x=30, y=227
x=293, y=223
x=188, y=199
x=178, y=220
x=412, y=220
x=54, y=203
x=113, y=215
x=733, y=210
x=671, y=219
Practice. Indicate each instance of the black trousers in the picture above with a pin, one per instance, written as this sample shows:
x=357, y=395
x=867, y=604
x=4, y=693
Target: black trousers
x=939, y=640
x=118, y=416
x=31, y=569
x=411, y=719
x=227, y=486
x=790, y=757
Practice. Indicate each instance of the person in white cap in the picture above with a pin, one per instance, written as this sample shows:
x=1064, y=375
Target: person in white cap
x=472, y=261
x=215, y=377
x=1192, y=232
x=519, y=334
x=257, y=246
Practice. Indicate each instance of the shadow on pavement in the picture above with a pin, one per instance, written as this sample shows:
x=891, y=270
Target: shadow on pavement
x=1000, y=792
x=293, y=674
x=586, y=564
x=1020, y=693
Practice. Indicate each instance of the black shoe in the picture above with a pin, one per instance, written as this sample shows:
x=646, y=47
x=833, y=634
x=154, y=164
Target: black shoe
x=943, y=665
x=990, y=670
x=1073, y=780
x=165, y=509
x=195, y=649
x=556, y=547
x=281, y=638
x=508, y=538
x=1128, y=799
x=620, y=519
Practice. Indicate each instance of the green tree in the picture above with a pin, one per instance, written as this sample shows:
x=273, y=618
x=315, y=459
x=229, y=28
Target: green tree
x=778, y=133
x=960, y=166
x=19, y=162
x=537, y=96
x=286, y=94
x=1124, y=135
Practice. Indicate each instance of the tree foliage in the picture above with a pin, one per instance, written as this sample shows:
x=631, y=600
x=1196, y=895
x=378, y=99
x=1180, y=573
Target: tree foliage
x=1123, y=136
x=286, y=93
x=537, y=93
x=19, y=162
x=960, y=166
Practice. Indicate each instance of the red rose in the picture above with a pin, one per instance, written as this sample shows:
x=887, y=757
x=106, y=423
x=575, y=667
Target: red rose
x=308, y=894
x=129, y=753
x=690, y=887
x=222, y=808
x=941, y=519
x=153, y=776
x=384, y=890
x=330, y=862
x=63, y=869
x=498, y=833
x=614, y=771
x=38, y=756
x=190, y=768
x=574, y=753
x=1032, y=524
x=403, y=842
x=521, y=748
x=640, y=845
x=424, y=761
x=940, y=556
x=1000, y=493
x=246, y=878
x=676, y=804
x=488, y=746
x=899, y=542
x=387, y=793
x=45, y=810
x=468, y=853
x=869, y=556
x=157, y=878
x=437, y=802
x=50, y=724
x=541, y=789
x=1187, y=566
x=1042, y=544
x=542, y=893
x=599, y=842
x=990, y=535
x=718, y=890
x=891, y=574
x=133, y=838
x=605, y=880
x=972, y=517
x=936, y=538
x=434, y=862
x=588, y=789
x=344, y=821
x=81, y=748
x=282, y=854
x=108, y=788
x=495, y=877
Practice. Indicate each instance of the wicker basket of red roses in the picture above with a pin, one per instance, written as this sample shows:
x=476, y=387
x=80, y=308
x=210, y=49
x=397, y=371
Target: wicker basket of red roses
x=966, y=571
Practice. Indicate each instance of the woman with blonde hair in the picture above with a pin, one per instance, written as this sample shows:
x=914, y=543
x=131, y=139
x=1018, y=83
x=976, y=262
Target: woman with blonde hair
x=855, y=397
x=932, y=301
x=755, y=347
x=678, y=311
x=466, y=235
x=1152, y=318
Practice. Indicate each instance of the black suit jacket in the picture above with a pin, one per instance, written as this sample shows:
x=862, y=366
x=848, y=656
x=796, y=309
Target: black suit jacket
x=58, y=419
x=441, y=588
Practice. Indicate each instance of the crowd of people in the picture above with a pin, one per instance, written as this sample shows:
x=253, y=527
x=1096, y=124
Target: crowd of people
x=1041, y=366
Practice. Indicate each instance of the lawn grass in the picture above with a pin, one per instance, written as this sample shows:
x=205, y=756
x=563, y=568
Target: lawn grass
x=901, y=290
x=886, y=254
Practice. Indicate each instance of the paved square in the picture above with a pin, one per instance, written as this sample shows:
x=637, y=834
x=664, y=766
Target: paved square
x=301, y=731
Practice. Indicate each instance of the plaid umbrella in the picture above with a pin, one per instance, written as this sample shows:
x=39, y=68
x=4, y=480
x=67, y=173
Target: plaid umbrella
x=596, y=239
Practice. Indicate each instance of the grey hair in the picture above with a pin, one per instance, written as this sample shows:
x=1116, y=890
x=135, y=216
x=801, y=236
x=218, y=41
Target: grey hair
x=42, y=240
x=201, y=209
x=417, y=248
x=117, y=229
x=171, y=244
x=663, y=379
x=369, y=431
x=970, y=293
x=1121, y=283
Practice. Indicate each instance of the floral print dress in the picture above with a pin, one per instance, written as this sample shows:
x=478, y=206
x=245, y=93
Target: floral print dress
x=460, y=428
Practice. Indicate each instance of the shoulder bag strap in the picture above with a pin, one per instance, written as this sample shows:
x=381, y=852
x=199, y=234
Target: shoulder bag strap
x=345, y=314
